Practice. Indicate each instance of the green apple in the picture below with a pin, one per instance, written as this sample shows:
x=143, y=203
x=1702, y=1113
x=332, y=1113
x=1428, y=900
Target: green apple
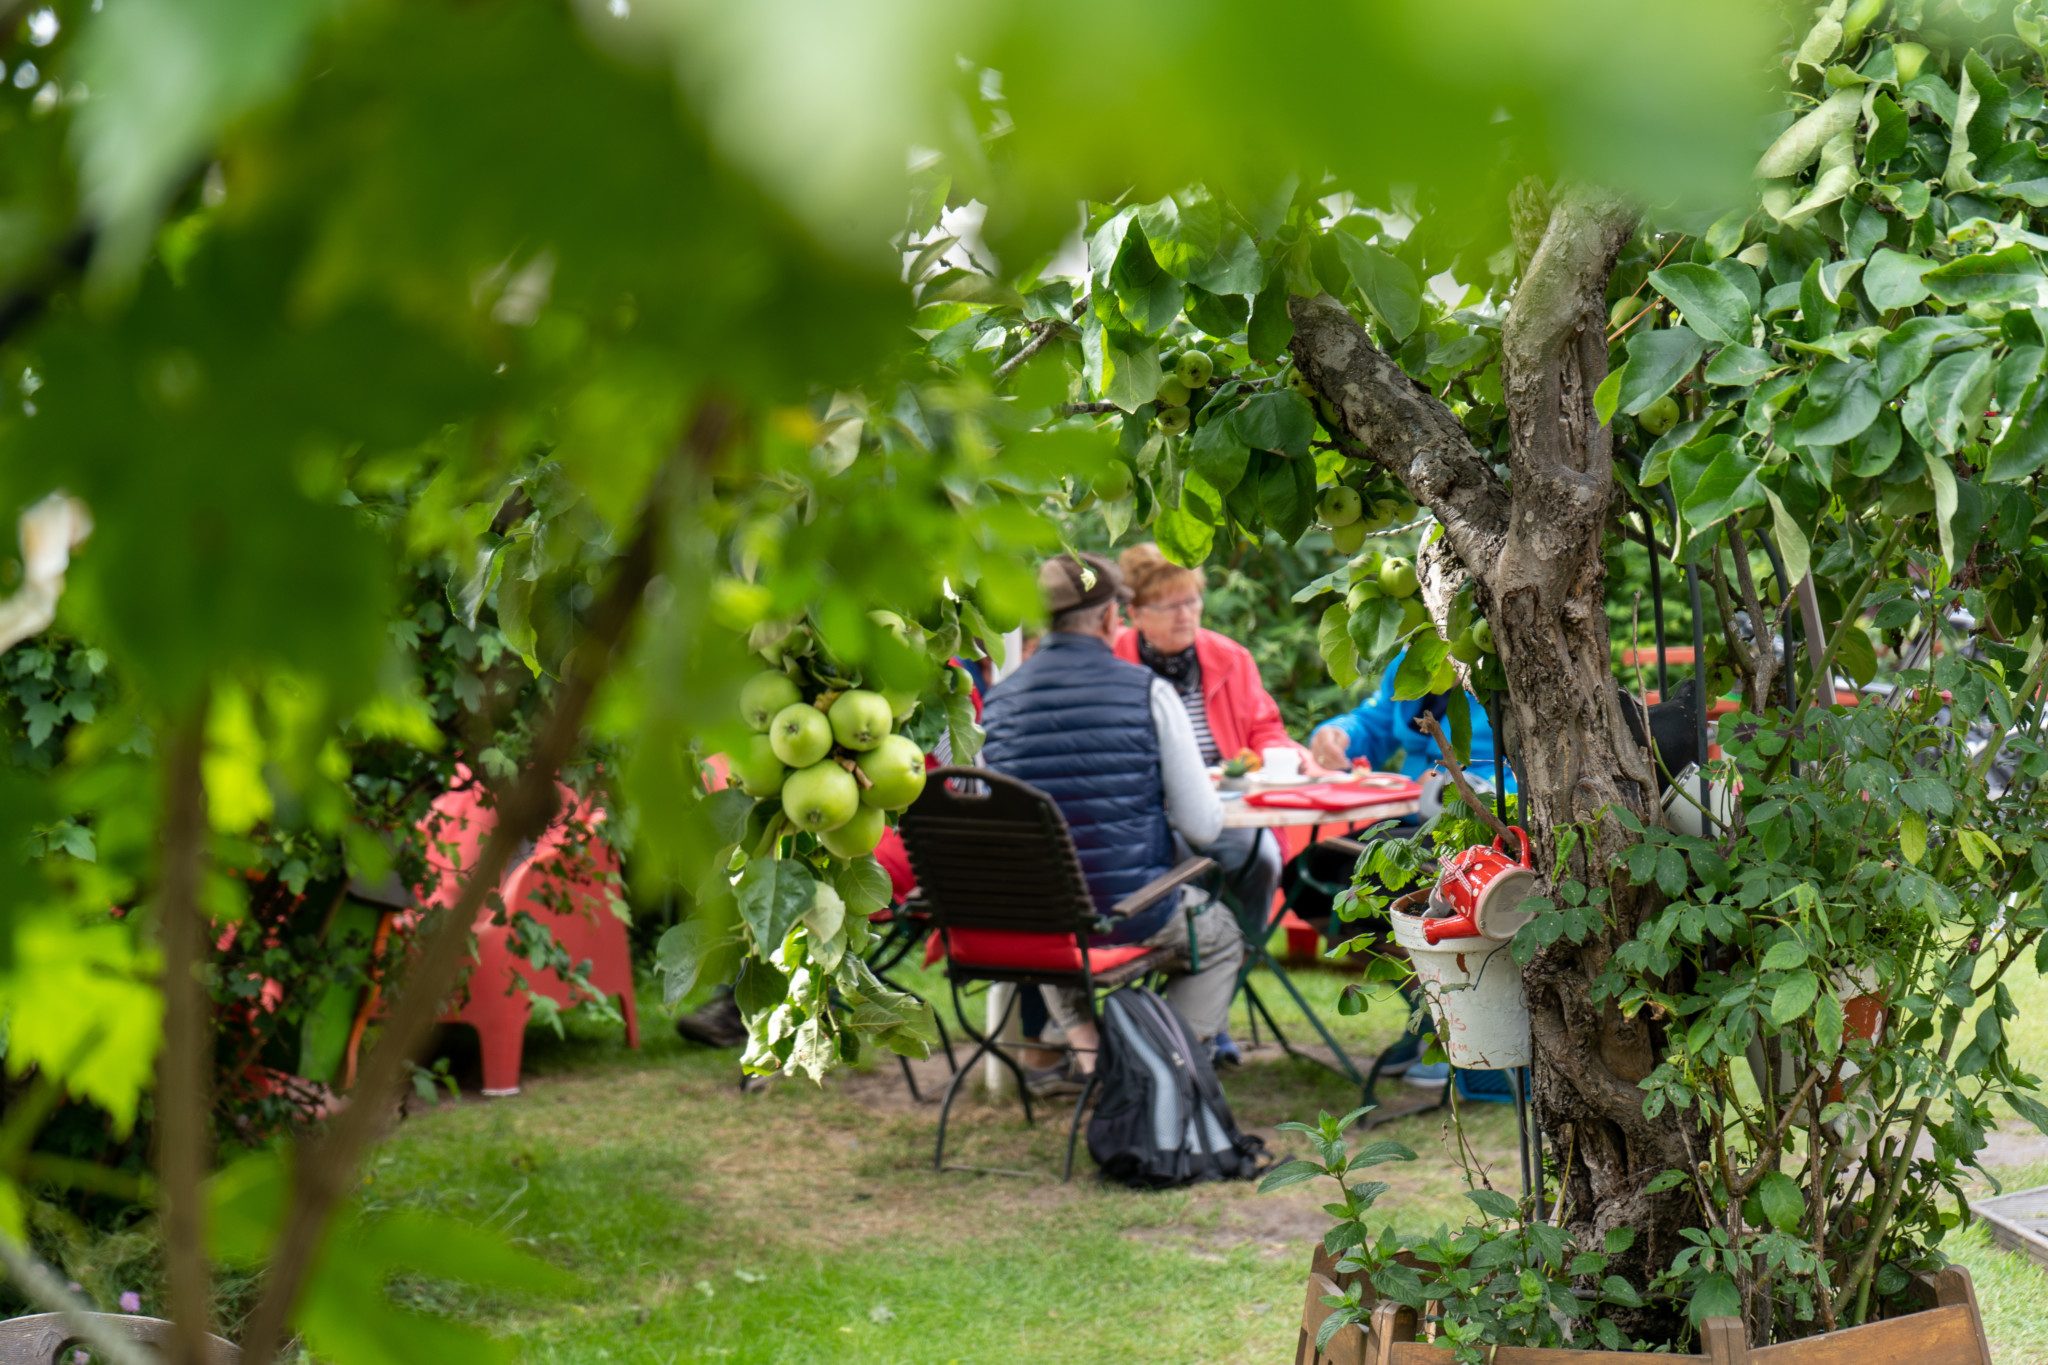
x=1195, y=369
x=1362, y=593
x=1624, y=309
x=1339, y=506
x=894, y=624
x=895, y=773
x=1465, y=649
x=857, y=837
x=1482, y=634
x=764, y=694
x=1114, y=482
x=1413, y=614
x=902, y=701
x=800, y=735
x=1173, y=421
x=861, y=719
x=1345, y=540
x=760, y=772
x=1172, y=393
x=1908, y=57
x=1660, y=416
x=821, y=797
x=1298, y=381
x=1397, y=578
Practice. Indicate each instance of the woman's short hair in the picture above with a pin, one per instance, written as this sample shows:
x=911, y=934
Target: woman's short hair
x=1152, y=577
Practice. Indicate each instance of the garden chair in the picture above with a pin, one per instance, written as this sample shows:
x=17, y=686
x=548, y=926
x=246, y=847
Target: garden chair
x=562, y=887
x=48, y=1338
x=998, y=877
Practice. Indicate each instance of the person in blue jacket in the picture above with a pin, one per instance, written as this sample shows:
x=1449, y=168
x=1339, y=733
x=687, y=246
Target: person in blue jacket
x=1381, y=725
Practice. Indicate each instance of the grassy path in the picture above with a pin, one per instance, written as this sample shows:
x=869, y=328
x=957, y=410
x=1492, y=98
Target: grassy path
x=803, y=1224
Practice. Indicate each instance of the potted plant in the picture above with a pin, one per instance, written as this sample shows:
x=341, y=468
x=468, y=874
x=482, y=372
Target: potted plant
x=1237, y=772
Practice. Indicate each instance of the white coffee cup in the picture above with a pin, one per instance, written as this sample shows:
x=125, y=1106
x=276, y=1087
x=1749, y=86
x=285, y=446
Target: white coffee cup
x=1280, y=763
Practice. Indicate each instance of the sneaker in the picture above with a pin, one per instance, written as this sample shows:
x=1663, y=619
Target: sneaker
x=1428, y=1073
x=1405, y=1052
x=717, y=1024
x=1050, y=1082
x=1223, y=1052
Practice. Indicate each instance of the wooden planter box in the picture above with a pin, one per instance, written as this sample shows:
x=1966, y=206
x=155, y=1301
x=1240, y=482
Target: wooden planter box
x=1949, y=1332
x=2019, y=1221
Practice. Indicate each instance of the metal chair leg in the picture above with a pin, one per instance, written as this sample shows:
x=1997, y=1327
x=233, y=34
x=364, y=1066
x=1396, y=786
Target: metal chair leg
x=946, y=1106
x=990, y=1047
x=1074, y=1128
x=908, y=1079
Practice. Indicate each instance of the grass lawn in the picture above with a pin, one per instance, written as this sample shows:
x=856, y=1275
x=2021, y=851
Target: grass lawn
x=805, y=1224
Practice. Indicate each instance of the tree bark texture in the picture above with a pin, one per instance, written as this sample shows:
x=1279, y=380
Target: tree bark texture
x=1531, y=543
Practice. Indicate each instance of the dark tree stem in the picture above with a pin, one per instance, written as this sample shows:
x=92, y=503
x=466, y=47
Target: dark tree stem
x=184, y=1068
x=323, y=1175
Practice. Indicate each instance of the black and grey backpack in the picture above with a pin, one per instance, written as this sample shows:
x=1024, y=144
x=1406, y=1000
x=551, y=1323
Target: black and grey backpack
x=1160, y=1118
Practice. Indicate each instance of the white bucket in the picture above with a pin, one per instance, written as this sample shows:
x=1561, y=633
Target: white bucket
x=1474, y=991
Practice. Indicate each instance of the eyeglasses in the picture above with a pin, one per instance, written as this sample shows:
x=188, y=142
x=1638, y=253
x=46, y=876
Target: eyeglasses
x=1190, y=606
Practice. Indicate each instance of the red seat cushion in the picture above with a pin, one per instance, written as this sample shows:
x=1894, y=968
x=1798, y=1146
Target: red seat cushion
x=1009, y=950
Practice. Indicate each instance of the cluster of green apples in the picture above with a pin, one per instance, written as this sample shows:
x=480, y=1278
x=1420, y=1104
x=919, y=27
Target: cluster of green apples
x=834, y=759
x=1344, y=513
x=1186, y=375
x=1474, y=642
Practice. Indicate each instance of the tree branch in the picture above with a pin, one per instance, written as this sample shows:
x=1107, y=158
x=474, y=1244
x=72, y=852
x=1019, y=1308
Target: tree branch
x=185, y=1065
x=325, y=1174
x=1450, y=762
x=1402, y=427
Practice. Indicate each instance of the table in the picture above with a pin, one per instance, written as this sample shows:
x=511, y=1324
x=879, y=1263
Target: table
x=1296, y=829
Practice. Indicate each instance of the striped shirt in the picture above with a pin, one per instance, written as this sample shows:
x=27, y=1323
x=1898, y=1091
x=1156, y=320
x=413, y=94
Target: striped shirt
x=1198, y=714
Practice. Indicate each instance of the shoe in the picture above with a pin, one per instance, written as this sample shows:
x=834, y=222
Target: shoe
x=1223, y=1052
x=717, y=1024
x=1406, y=1051
x=1428, y=1073
x=1050, y=1082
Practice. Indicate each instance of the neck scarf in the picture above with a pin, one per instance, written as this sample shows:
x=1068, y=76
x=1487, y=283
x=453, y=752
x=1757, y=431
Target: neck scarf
x=1183, y=670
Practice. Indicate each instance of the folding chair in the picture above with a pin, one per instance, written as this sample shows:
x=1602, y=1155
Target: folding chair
x=999, y=878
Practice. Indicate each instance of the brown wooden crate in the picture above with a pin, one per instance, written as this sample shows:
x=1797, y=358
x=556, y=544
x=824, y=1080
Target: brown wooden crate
x=1939, y=1336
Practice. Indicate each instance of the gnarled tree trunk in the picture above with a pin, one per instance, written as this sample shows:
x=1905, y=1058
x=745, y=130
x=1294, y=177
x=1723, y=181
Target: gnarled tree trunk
x=1532, y=546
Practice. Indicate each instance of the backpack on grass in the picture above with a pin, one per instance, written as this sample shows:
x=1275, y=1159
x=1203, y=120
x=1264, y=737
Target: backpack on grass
x=1160, y=1118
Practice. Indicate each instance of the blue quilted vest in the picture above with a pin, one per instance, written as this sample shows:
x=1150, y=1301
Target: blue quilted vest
x=1075, y=722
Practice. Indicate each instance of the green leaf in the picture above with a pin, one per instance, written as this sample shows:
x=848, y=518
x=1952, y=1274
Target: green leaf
x=1713, y=307
x=1715, y=1296
x=1289, y=1173
x=1271, y=327
x=1841, y=400
x=1426, y=654
x=1728, y=485
x=1130, y=369
x=1736, y=365
x=1793, y=997
x=1943, y=480
x=1608, y=395
x=1991, y=277
x=1184, y=537
x=1799, y=145
x=1793, y=546
x=1827, y=1024
x=1784, y=955
x=1276, y=421
x=1389, y=285
x=1333, y=638
x=1287, y=496
x=1781, y=1200
x=1656, y=362
x=863, y=885
x=1147, y=295
x=1671, y=875
x=1893, y=279
x=678, y=956
x=1958, y=387
x=1494, y=1204
x=1220, y=315
x=773, y=894
x=1219, y=455
x=2028, y=1108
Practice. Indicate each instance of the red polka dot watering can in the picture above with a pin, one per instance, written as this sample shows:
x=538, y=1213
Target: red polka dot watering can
x=1478, y=891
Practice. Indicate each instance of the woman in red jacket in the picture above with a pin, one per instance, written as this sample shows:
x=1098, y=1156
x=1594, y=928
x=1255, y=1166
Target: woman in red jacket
x=1231, y=709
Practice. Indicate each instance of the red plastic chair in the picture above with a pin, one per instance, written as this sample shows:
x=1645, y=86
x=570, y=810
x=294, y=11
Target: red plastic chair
x=564, y=888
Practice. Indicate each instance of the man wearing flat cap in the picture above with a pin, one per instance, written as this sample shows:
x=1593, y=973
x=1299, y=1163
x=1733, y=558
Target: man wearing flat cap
x=1111, y=743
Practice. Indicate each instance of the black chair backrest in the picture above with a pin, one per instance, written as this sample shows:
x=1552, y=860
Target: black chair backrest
x=996, y=855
